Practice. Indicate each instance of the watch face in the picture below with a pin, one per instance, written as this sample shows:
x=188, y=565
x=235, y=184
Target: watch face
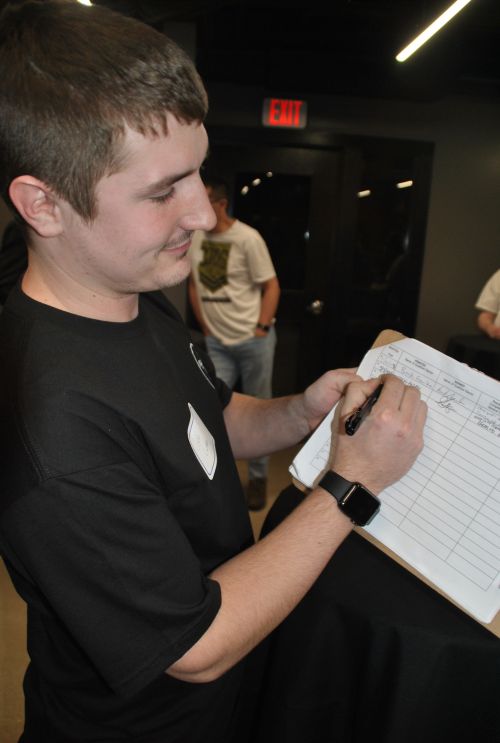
x=360, y=505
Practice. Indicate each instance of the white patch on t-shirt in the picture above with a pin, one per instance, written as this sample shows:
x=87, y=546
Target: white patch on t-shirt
x=202, y=443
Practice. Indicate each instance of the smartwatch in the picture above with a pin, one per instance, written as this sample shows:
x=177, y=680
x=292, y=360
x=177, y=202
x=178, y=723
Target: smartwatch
x=352, y=498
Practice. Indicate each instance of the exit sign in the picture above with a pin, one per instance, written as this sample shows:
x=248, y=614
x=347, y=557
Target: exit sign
x=284, y=113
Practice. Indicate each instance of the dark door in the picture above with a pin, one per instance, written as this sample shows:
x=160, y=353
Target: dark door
x=291, y=195
x=375, y=279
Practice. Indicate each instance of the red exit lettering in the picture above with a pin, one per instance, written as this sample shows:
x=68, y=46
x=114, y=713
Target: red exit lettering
x=286, y=113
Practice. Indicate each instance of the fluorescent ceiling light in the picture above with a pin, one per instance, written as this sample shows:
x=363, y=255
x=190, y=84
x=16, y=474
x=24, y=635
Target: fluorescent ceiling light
x=404, y=184
x=448, y=14
x=85, y=2
x=364, y=194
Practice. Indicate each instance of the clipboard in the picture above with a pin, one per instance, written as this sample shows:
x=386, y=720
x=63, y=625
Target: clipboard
x=386, y=337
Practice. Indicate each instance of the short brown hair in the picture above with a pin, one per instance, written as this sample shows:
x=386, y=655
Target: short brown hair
x=71, y=78
x=220, y=187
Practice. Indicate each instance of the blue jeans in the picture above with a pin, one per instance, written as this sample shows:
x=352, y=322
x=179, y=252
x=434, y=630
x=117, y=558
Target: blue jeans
x=252, y=362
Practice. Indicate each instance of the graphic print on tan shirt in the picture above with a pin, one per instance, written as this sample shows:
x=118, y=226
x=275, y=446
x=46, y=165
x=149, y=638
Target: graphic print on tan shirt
x=212, y=270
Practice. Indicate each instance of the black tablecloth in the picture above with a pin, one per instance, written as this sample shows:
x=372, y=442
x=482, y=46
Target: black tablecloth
x=372, y=654
x=478, y=351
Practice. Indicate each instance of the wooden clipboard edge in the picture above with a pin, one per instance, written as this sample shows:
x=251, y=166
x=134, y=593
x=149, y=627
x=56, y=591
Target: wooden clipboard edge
x=385, y=338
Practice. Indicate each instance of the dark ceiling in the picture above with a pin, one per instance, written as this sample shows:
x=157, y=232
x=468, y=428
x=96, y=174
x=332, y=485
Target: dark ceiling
x=343, y=47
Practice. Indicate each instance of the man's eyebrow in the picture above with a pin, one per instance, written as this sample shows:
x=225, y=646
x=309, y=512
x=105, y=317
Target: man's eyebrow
x=166, y=182
x=163, y=183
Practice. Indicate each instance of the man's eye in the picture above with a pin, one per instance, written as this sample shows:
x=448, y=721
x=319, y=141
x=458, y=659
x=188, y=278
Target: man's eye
x=162, y=198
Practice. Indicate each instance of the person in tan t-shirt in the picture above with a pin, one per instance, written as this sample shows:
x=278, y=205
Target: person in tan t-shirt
x=234, y=294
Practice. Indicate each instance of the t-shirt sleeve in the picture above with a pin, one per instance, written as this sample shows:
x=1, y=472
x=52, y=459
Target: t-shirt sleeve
x=259, y=261
x=489, y=299
x=115, y=569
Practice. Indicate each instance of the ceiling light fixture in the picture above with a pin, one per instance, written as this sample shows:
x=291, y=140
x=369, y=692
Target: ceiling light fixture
x=448, y=14
x=404, y=184
x=85, y=2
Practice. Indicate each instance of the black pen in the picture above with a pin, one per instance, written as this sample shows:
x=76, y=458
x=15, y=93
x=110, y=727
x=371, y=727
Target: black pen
x=353, y=422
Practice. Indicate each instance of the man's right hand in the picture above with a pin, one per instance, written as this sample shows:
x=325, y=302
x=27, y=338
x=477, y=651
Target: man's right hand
x=486, y=323
x=494, y=332
x=389, y=439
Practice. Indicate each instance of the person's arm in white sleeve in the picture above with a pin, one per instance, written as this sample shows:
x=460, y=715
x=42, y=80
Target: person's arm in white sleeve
x=488, y=304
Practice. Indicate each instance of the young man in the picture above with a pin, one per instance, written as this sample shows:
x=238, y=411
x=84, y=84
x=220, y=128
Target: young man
x=234, y=294
x=122, y=521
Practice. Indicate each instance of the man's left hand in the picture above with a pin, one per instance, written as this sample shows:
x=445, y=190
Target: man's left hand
x=320, y=397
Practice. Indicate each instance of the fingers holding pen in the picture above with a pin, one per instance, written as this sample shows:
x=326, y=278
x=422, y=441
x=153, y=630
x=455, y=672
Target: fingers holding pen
x=402, y=405
x=361, y=399
x=413, y=408
x=389, y=437
x=356, y=395
x=394, y=392
x=386, y=399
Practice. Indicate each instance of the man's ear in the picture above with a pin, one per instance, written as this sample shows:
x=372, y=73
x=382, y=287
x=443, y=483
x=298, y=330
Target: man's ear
x=37, y=205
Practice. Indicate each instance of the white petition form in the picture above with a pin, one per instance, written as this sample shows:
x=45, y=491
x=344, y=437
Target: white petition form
x=443, y=517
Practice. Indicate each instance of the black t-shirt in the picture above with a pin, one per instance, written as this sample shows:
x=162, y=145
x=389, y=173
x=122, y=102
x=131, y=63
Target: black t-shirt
x=13, y=259
x=118, y=495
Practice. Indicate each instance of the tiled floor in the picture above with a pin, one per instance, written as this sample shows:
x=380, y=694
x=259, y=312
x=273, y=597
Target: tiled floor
x=13, y=658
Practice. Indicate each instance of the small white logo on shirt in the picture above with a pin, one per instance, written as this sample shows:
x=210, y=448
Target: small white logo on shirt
x=201, y=365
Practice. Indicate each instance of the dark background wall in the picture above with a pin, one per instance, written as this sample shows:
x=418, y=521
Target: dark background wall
x=462, y=245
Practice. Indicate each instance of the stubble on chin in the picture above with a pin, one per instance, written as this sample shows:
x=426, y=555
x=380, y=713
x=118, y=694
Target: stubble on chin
x=178, y=272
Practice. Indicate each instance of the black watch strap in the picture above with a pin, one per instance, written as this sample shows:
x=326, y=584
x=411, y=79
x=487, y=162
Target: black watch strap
x=353, y=499
x=265, y=328
x=336, y=485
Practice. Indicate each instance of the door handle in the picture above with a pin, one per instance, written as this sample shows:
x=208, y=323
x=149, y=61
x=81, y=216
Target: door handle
x=316, y=307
